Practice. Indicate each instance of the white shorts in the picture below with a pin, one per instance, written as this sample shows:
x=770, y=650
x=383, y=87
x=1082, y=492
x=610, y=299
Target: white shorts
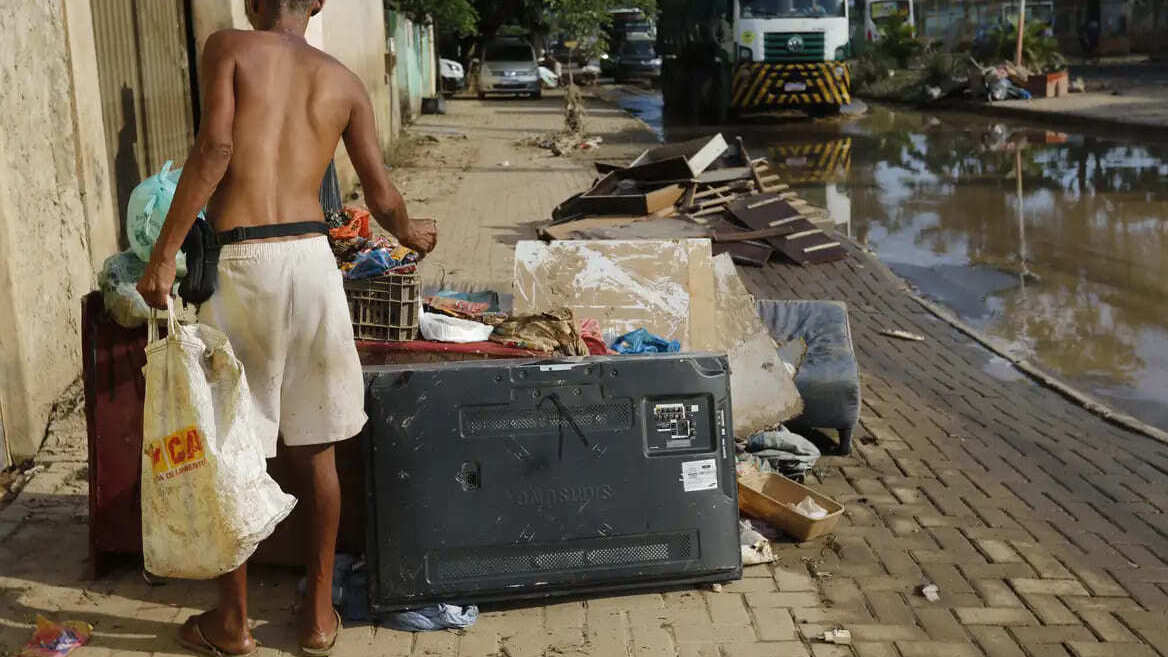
x=282, y=306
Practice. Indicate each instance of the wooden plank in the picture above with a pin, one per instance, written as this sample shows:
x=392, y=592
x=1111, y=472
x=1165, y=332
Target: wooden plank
x=751, y=254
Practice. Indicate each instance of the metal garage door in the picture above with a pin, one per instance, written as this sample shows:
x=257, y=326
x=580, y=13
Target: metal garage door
x=143, y=61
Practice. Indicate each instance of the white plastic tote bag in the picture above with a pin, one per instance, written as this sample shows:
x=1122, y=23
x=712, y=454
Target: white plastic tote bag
x=207, y=499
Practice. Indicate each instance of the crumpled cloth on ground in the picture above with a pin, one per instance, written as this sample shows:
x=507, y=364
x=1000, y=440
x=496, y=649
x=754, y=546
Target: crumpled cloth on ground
x=357, y=225
x=592, y=336
x=781, y=451
x=642, y=341
x=351, y=598
x=552, y=331
x=441, y=616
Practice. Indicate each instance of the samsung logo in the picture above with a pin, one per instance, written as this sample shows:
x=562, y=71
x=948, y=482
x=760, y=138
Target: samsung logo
x=564, y=495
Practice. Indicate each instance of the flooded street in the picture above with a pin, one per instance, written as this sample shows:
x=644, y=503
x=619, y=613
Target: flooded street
x=1072, y=273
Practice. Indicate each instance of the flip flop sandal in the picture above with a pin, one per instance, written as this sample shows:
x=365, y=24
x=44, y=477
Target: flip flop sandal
x=325, y=652
x=205, y=647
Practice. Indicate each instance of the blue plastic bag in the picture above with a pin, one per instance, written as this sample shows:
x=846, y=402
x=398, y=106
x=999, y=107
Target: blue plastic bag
x=146, y=211
x=641, y=341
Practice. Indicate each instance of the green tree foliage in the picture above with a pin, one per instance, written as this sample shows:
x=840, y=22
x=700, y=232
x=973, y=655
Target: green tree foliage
x=584, y=20
x=1040, y=53
x=457, y=17
x=898, y=41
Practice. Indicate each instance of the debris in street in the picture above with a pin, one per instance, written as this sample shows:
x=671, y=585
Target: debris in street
x=903, y=335
x=837, y=636
x=709, y=189
x=756, y=549
x=931, y=592
x=56, y=639
x=563, y=142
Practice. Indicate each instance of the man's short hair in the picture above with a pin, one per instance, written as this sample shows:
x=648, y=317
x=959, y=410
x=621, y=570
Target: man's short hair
x=296, y=5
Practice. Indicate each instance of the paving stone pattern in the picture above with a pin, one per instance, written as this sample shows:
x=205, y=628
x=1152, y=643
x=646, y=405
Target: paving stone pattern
x=1041, y=524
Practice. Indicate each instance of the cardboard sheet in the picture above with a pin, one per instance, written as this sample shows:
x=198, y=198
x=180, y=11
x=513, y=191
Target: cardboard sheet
x=665, y=286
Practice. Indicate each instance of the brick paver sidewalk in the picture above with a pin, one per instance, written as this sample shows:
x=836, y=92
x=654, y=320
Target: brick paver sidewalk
x=1040, y=523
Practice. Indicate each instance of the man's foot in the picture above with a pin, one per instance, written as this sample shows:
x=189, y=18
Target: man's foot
x=320, y=637
x=211, y=634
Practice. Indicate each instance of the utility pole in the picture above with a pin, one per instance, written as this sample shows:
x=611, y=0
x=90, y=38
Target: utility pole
x=1021, y=31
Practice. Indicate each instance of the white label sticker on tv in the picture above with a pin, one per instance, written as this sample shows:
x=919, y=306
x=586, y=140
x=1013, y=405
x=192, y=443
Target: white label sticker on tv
x=699, y=475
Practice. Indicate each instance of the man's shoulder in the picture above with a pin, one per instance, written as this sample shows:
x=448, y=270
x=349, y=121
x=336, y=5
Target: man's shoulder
x=230, y=40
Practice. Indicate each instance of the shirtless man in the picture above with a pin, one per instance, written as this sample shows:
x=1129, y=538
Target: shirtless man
x=274, y=110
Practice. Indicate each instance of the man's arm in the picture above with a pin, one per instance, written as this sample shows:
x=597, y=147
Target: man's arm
x=204, y=169
x=384, y=201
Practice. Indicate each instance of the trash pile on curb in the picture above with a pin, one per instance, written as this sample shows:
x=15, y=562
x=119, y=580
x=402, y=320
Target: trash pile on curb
x=702, y=188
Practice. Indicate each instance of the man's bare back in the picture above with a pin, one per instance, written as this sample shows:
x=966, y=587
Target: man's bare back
x=292, y=104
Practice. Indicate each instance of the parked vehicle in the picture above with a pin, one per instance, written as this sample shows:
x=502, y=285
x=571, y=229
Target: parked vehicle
x=878, y=13
x=509, y=66
x=638, y=60
x=453, y=77
x=738, y=56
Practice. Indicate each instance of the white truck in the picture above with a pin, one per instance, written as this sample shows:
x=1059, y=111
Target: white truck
x=738, y=56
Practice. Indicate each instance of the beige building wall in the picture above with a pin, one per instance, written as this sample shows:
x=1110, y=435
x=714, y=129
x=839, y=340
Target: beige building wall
x=56, y=225
x=353, y=31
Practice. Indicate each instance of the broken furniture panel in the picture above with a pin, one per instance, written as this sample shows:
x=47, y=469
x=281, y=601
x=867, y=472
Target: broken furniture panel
x=611, y=195
x=681, y=161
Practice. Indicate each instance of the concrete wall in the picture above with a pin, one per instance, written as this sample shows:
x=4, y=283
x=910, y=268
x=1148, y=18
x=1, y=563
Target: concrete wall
x=353, y=31
x=417, y=75
x=55, y=221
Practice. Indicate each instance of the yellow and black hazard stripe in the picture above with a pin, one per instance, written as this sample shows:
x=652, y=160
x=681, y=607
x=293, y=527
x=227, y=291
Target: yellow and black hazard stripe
x=763, y=85
x=819, y=162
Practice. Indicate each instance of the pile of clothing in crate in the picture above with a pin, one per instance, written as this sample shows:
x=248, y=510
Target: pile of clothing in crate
x=359, y=254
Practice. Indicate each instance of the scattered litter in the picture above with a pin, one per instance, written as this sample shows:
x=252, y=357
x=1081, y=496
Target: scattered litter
x=838, y=636
x=642, y=341
x=903, y=335
x=563, y=142
x=931, y=592
x=56, y=639
x=756, y=549
x=809, y=509
x=1078, y=85
x=716, y=587
x=505, y=163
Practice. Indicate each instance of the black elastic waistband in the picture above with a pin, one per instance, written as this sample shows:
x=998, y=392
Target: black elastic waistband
x=245, y=233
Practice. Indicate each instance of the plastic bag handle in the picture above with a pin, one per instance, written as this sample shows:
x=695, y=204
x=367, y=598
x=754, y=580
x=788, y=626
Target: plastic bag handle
x=152, y=323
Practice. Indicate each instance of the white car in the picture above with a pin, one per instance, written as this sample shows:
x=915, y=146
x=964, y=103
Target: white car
x=453, y=77
x=509, y=67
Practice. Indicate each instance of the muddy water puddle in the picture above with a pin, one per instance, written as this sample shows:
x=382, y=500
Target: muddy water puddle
x=1069, y=267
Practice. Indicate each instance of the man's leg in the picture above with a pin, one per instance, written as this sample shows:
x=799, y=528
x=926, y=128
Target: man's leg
x=320, y=490
x=225, y=627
